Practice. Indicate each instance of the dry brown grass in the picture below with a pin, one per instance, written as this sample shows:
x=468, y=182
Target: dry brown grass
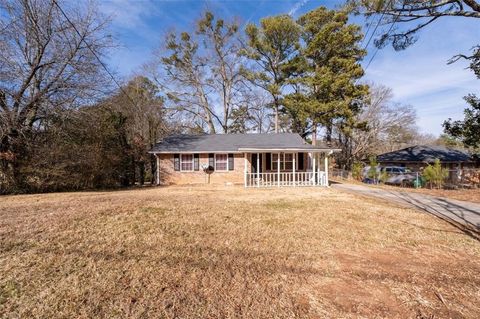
x=469, y=195
x=200, y=252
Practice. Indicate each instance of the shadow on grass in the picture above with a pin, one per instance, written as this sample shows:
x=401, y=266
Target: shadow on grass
x=460, y=216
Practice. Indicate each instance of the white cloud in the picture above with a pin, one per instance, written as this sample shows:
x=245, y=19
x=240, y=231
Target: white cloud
x=297, y=7
x=129, y=14
x=421, y=77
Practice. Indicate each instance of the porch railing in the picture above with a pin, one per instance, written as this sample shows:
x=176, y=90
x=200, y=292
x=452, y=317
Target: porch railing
x=285, y=179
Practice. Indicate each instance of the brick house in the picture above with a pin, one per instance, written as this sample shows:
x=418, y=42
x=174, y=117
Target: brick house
x=254, y=160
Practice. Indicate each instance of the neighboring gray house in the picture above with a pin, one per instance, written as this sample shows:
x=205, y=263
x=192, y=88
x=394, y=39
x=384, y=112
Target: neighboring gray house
x=419, y=156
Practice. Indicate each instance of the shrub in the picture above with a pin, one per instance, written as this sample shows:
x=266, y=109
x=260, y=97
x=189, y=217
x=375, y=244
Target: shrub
x=383, y=176
x=357, y=171
x=434, y=174
x=372, y=172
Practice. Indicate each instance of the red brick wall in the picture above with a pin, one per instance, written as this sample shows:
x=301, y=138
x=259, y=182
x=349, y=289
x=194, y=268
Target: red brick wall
x=168, y=176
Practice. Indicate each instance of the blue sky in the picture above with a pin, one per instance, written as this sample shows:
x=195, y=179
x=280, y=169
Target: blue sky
x=419, y=76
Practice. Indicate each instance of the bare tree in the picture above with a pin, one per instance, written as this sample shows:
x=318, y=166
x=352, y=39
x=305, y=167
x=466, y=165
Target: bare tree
x=383, y=125
x=143, y=109
x=200, y=73
x=46, y=64
x=260, y=113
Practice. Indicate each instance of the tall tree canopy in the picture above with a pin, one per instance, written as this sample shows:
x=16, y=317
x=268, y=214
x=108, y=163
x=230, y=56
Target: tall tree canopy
x=200, y=73
x=273, y=46
x=326, y=91
x=387, y=126
x=406, y=18
x=47, y=65
x=468, y=129
x=140, y=103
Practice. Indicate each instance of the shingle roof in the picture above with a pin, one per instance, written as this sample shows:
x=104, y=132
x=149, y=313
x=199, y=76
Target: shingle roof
x=232, y=143
x=423, y=153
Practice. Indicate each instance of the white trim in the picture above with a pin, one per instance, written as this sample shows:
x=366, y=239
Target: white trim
x=278, y=170
x=282, y=161
x=193, y=163
x=215, y=163
x=326, y=168
x=258, y=168
x=245, y=161
x=290, y=149
x=254, y=150
x=196, y=152
x=158, y=169
x=294, y=167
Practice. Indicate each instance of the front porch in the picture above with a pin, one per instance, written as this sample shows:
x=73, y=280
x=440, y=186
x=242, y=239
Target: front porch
x=286, y=169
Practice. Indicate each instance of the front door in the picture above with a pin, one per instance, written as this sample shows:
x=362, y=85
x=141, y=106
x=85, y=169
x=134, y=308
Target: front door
x=254, y=163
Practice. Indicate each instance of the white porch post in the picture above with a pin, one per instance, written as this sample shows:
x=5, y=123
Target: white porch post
x=158, y=169
x=326, y=169
x=319, y=182
x=278, y=170
x=258, y=169
x=245, y=170
x=314, y=168
x=294, y=161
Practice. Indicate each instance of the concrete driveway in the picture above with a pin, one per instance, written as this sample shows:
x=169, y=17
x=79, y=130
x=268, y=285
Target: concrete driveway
x=465, y=215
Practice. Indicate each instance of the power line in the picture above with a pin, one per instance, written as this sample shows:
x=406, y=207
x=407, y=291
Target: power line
x=378, y=24
x=93, y=52
x=375, y=30
x=376, y=50
x=366, y=33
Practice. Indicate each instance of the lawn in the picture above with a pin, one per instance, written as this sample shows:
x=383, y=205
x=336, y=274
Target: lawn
x=201, y=252
x=467, y=194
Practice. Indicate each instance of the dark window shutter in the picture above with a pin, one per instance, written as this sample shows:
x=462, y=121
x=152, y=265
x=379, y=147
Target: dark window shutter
x=300, y=161
x=211, y=161
x=176, y=162
x=268, y=160
x=196, y=164
x=230, y=162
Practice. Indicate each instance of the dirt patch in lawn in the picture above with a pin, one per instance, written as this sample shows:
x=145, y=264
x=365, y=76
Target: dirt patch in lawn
x=198, y=252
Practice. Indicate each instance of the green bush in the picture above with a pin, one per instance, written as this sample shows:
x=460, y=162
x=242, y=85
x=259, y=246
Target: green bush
x=372, y=172
x=434, y=174
x=357, y=171
x=383, y=176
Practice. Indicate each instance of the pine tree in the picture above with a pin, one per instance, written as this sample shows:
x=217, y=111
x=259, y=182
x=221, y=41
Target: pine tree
x=273, y=46
x=326, y=91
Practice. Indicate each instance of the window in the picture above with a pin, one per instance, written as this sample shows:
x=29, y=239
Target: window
x=286, y=161
x=221, y=162
x=186, y=162
x=275, y=162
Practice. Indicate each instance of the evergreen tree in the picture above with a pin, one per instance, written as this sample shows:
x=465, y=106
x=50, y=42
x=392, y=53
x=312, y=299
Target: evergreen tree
x=326, y=91
x=273, y=46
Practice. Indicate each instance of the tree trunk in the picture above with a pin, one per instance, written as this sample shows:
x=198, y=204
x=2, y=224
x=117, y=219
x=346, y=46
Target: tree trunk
x=153, y=169
x=11, y=151
x=314, y=134
x=329, y=134
x=276, y=118
x=276, y=108
x=133, y=171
